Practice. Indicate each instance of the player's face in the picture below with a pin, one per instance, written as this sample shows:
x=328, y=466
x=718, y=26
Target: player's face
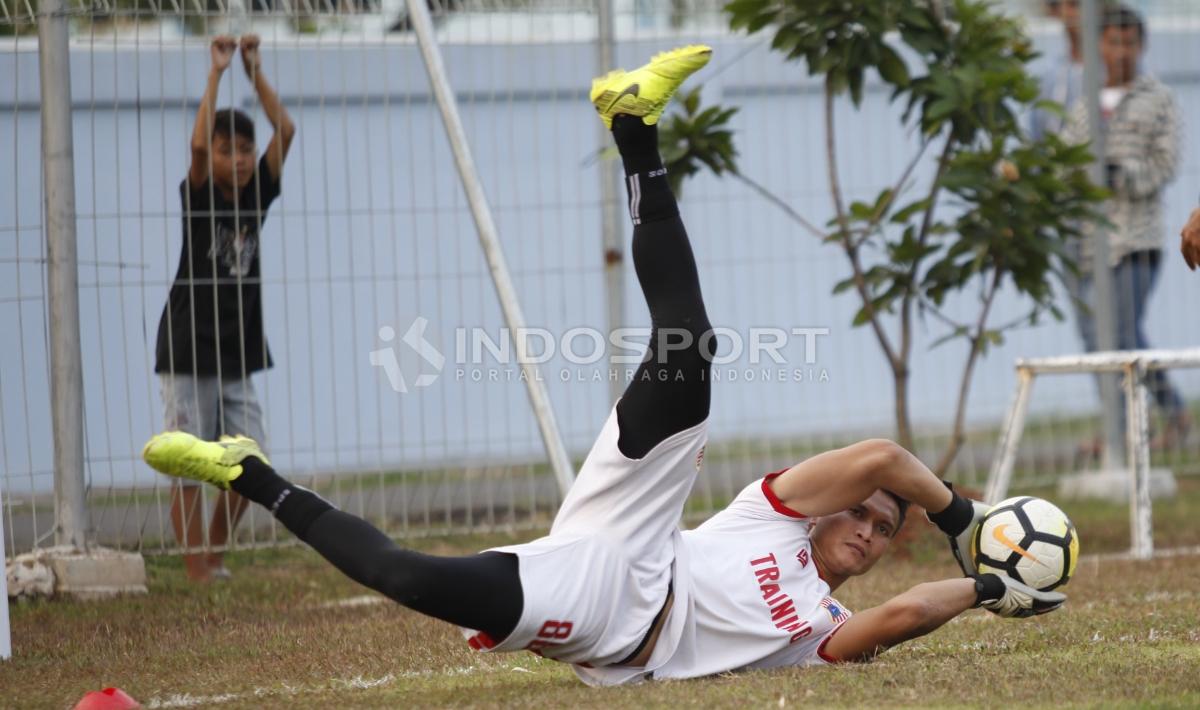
x=232, y=160
x=850, y=542
x=1120, y=48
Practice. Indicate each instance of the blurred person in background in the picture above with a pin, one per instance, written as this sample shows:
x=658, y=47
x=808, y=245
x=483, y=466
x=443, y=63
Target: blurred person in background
x=1062, y=80
x=1140, y=122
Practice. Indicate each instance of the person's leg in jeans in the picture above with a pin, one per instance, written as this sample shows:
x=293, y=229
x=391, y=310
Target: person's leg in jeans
x=1135, y=278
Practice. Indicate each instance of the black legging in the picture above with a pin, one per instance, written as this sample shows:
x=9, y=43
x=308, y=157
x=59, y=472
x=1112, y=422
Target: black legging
x=669, y=393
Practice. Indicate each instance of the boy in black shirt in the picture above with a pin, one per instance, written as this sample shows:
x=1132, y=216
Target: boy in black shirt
x=210, y=336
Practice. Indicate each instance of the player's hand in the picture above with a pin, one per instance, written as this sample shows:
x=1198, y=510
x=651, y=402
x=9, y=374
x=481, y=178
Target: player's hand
x=960, y=545
x=1190, y=244
x=1018, y=600
x=222, y=49
x=251, y=58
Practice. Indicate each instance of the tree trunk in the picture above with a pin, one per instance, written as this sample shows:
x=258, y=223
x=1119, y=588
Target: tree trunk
x=904, y=434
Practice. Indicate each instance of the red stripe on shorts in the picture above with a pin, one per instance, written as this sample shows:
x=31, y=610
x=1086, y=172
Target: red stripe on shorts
x=481, y=642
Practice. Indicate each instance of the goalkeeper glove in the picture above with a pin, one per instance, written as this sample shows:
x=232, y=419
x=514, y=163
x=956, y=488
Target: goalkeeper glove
x=960, y=544
x=1005, y=596
x=959, y=521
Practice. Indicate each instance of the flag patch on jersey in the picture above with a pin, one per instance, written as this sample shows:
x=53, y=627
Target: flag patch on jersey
x=836, y=612
x=700, y=457
x=802, y=556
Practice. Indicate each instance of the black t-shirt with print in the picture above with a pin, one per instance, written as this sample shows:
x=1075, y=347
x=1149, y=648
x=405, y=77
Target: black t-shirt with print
x=217, y=292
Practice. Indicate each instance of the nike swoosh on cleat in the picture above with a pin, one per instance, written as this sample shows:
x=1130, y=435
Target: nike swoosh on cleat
x=631, y=90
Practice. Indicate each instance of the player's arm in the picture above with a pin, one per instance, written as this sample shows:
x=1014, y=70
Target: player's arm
x=285, y=130
x=914, y=613
x=221, y=51
x=1190, y=240
x=928, y=606
x=836, y=480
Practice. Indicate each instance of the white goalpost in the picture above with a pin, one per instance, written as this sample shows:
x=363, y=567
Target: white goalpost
x=1134, y=365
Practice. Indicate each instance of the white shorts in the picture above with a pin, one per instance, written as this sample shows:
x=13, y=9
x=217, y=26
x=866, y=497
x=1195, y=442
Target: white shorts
x=594, y=585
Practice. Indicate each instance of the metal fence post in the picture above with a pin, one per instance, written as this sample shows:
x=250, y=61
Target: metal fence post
x=611, y=215
x=66, y=366
x=539, y=398
x=1102, y=276
x=5, y=633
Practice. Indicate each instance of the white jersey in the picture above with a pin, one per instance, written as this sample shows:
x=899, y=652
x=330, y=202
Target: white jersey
x=756, y=598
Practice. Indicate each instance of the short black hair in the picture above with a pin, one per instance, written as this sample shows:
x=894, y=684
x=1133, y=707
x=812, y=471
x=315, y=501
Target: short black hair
x=1121, y=15
x=903, y=506
x=231, y=121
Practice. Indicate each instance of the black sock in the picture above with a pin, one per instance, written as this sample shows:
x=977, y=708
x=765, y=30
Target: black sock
x=481, y=592
x=294, y=506
x=956, y=517
x=650, y=197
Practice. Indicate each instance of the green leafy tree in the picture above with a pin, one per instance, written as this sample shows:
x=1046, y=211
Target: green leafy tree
x=999, y=208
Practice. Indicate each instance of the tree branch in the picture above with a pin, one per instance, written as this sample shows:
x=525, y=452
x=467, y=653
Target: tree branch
x=964, y=387
x=937, y=313
x=896, y=189
x=778, y=202
x=922, y=237
x=860, y=282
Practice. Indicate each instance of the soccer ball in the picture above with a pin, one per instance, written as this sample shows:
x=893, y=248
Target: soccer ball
x=1028, y=539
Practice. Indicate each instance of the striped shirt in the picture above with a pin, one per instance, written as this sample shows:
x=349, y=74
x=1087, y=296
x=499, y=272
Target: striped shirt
x=1143, y=141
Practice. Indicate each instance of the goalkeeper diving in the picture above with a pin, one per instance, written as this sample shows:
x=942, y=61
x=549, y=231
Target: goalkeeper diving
x=615, y=588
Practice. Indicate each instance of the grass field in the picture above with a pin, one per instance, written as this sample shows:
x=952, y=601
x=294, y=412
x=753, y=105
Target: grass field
x=289, y=631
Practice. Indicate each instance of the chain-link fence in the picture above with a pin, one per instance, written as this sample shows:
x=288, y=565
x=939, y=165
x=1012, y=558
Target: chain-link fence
x=393, y=391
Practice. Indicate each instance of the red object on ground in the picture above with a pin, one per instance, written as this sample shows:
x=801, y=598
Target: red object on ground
x=107, y=699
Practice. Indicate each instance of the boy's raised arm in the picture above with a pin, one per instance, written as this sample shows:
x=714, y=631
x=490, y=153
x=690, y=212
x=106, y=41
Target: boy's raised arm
x=276, y=113
x=221, y=50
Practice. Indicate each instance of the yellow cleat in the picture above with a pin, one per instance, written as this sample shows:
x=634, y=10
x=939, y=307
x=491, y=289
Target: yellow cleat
x=645, y=91
x=179, y=454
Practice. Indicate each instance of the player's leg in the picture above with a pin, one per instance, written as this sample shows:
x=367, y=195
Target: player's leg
x=481, y=592
x=632, y=486
x=669, y=394
x=670, y=391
